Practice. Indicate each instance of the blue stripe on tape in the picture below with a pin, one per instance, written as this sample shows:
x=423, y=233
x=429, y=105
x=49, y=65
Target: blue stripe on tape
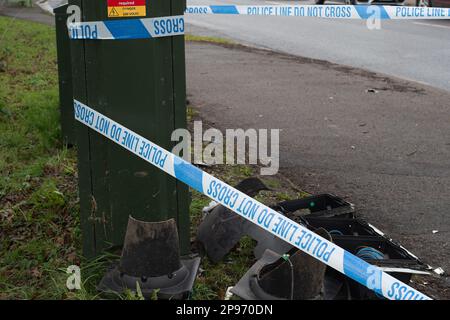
x=363, y=272
x=189, y=174
x=384, y=14
x=224, y=9
x=127, y=29
x=366, y=12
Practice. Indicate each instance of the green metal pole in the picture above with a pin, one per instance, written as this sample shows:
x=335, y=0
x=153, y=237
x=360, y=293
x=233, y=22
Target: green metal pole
x=142, y=84
x=65, y=76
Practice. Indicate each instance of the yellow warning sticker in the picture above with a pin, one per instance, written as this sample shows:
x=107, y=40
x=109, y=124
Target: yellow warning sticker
x=126, y=8
x=113, y=12
x=116, y=12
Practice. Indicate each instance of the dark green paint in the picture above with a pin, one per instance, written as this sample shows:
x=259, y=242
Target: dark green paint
x=140, y=84
x=64, y=76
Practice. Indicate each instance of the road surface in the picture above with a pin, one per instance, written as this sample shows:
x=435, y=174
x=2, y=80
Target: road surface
x=416, y=50
x=386, y=151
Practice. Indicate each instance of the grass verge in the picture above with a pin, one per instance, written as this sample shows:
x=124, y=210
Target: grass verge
x=38, y=203
x=193, y=38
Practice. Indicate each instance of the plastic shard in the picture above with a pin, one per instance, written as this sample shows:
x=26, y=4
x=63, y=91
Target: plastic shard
x=296, y=276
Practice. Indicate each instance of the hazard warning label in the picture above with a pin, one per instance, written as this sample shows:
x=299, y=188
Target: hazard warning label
x=126, y=8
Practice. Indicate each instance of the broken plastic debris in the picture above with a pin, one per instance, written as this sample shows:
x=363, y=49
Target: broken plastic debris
x=222, y=229
x=439, y=271
x=206, y=210
x=151, y=258
x=321, y=205
x=228, y=294
x=294, y=276
x=204, y=164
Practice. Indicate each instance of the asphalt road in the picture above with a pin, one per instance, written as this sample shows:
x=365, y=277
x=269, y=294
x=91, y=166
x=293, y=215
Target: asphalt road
x=388, y=152
x=416, y=50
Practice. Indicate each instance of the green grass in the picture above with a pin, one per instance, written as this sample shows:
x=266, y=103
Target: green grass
x=190, y=37
x=191, y=113
x=38, y=203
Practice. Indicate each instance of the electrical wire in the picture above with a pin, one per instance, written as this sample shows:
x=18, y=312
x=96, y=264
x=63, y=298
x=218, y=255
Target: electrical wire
x=336, y=232
x=287, y=258
x=369, y=253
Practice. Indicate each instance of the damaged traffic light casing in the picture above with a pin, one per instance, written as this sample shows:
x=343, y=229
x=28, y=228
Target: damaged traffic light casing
x=325, y=214
x=357, y=237
x=141, y=84
x=292, y=276
x=151, y=258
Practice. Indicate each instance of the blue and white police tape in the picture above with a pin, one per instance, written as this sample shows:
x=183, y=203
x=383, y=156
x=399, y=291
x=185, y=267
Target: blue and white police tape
x=128, y=28
x=272, y=221
x=326, y=11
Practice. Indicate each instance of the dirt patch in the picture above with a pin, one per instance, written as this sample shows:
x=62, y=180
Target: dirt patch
x=392, y=84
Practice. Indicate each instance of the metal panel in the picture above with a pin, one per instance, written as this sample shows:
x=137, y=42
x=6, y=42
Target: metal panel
x=141, y=84
x=64, y=76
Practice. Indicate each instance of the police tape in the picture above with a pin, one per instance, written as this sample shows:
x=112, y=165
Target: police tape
x=272, y=221
x=174, y=25
x=363, y=12
x=128, y=28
